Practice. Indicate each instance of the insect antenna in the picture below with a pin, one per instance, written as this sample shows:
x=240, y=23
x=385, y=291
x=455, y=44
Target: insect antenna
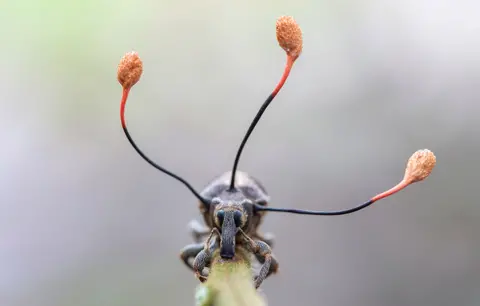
x=289, y=37
x=419, y=167
x=129, y=71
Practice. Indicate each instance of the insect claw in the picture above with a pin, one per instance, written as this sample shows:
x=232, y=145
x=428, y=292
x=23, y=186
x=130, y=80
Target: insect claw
x=200, y=277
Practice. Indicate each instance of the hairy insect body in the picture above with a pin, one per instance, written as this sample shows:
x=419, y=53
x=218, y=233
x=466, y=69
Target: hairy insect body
x=246, y=188
x=231, y=223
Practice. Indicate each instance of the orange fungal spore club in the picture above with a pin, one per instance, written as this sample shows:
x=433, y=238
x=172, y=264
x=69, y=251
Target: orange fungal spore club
x=419, y=166
x=289, y=36
x=129, y=70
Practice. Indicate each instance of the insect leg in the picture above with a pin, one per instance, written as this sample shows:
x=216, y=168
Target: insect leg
x=204, y=257
x=263, y=252
x=268, y=238
x=202, y=260
x=190, y=251
x=273, y=266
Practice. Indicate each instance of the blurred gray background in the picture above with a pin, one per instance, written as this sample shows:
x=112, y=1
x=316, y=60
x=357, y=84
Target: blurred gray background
x=85, y=221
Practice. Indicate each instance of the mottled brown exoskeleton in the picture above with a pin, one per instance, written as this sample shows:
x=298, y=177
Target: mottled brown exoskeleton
x=234, y=203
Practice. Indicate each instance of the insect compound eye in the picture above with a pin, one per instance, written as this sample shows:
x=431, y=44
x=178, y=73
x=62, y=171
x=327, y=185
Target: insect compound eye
x=237, y=216
x=220, y=217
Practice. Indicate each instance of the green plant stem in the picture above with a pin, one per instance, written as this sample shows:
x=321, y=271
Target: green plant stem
x=230, y=283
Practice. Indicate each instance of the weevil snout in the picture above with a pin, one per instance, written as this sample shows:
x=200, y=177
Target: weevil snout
x=229, y=220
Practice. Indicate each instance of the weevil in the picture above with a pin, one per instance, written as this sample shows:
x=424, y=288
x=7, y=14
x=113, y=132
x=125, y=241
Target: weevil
x=232, y=216
x=233, y=205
